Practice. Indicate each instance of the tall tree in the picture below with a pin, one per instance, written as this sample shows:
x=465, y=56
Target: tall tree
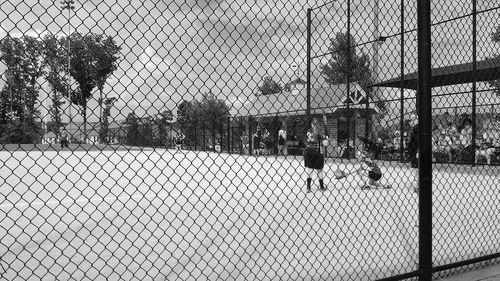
x=269, y=86
x=213, y=111
x=24, y=67
x=55, y=113
x=187, y=120
x=337, y=69
x=92, y=61
x=348, y=63
x=22, y=58
x=132, y=134
x=107, y=54
x=162, y=122
x=54, y=61
x=34, y=69
x=184, y=113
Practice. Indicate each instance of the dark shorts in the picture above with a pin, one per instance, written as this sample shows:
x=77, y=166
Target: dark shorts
x=281, y=142
x=374, y=176
x=64, y=143
x=269, y=145
x=314, y=159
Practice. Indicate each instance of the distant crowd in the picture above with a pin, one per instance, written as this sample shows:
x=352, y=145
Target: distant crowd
x=453, y=144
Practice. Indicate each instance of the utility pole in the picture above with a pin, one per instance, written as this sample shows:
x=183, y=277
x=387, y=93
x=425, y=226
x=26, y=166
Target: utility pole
x=69, y=5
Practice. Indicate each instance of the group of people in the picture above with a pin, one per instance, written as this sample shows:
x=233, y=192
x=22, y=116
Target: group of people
x=263, y=144
x=369, y=173
x=455, y=143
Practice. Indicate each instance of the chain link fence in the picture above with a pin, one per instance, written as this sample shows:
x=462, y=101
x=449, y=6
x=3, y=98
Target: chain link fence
x=165, y=140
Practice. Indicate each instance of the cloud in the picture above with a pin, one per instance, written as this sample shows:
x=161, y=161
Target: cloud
x=174, y=50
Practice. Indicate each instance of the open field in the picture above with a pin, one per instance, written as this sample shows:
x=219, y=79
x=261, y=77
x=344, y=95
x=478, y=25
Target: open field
x=167, y=215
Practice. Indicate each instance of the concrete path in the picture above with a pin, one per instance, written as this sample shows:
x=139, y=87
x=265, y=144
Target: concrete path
x=490, y=273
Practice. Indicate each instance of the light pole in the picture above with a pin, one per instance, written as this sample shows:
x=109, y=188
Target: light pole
x=68, y=4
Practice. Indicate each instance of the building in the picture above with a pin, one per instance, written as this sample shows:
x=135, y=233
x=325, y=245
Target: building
x=348, y=115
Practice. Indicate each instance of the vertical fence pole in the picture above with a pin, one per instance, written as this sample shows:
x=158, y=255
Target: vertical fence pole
x=250, y=136
x=229, y=148
x=376, y=45
x=424, y=107
x=402, y=91
x=348, y=78
x=308, y=68
x=474, y=66
x=241, y=135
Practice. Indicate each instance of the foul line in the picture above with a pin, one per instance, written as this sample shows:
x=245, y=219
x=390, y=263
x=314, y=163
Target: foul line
x=89, y=200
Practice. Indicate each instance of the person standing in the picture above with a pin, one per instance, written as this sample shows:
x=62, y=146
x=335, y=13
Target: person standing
x=257, y=139
x=245, y=143
x=313, y=157
x=64, y=140
x=413, y=148
x=179, y=141
x=281, y=141
x=268, y=144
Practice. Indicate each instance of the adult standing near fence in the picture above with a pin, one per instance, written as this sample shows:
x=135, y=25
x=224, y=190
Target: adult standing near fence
x=179, y=140
x=313, y=158
x=281, y=141
x=64, y=140
x=257, y=138
x=245, y=143
x=413, y=148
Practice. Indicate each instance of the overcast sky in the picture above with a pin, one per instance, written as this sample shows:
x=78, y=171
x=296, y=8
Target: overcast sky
x=174, y=50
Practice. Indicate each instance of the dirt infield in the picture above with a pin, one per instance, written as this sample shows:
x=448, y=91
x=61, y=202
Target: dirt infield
x=181, y=215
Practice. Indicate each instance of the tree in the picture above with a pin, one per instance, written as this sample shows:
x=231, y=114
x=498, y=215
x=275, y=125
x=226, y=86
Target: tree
x=187, y=120
x=162, y=122
x=145, y=131
x=104, y=126
x=55, y=113
x=93, y=58
x=495, y=37
x=5, y=111
x=212, y=111
x=269, y=86
x=23, y=60
x=337, y=69
x=33, y=69
x=207, y=116
x=106, y=52
x=132, y=124
x=53, y=59
x=349, y=64
x=184, y=113
x=22, y=57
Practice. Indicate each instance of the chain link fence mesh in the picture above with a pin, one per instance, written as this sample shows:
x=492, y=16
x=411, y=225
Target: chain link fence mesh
x=164, y=140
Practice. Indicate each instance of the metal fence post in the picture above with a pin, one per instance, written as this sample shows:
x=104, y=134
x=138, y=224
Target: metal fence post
x=308, y=68
x=474, y=78
x=402, y=91
x=424, y=107
x=250, y=138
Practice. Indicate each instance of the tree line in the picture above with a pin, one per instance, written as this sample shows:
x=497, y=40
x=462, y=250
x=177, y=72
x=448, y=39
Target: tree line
x=88, y=59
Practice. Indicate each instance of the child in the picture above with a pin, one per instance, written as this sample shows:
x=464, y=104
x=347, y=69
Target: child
x=369, y=170
x=179, y=141
x=64, y=140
